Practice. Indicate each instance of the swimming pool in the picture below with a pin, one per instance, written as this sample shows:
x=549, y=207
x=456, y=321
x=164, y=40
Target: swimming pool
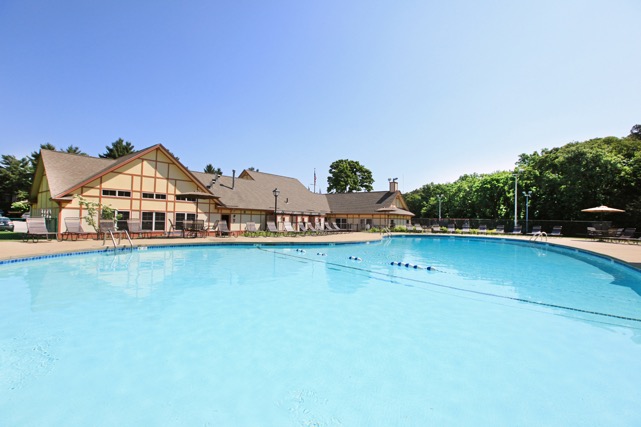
x=495, y=333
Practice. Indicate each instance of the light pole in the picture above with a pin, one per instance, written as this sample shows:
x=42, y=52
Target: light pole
x=527, y=208
x=276, y=192
x=440, y=196
x=516, y=192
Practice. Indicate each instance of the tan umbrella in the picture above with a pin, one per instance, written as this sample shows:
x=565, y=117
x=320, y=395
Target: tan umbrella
x=387, y=210
x=602, y=225
x=602, y=209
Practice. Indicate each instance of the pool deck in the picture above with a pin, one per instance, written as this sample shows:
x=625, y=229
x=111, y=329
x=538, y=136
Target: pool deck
x=629, y=253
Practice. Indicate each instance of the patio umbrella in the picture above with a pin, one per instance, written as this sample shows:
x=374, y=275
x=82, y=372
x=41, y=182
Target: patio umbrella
x=387, y=210
x=603, y=225
x=602, y=209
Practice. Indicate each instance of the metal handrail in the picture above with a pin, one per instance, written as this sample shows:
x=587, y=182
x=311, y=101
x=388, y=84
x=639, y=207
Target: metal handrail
x=131, y=245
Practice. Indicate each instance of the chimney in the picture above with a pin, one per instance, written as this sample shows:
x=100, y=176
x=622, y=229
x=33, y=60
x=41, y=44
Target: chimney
x=233, y=178
x=393, y=185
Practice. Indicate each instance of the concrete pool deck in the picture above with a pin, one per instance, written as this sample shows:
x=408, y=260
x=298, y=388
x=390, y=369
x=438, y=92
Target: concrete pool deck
x=629, y=253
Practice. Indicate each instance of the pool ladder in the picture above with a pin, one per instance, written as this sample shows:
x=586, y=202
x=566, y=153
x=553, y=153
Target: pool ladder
x=540, y=236
x=113, y=239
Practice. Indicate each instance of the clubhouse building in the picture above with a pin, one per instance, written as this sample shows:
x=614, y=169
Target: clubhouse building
x=154, y=188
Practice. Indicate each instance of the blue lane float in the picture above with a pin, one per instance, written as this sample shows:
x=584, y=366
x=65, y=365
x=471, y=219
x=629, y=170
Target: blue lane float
x=320, y=254
x=300, y=250
x=355, y=258
x=408, y=265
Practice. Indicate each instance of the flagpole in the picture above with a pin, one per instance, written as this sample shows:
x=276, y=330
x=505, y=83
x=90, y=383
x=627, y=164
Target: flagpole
x=314, y=180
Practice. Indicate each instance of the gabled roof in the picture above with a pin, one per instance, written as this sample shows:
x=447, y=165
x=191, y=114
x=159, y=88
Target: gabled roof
x=367, y=203
x=64, y=170
x=67, y=172
x=254, y=191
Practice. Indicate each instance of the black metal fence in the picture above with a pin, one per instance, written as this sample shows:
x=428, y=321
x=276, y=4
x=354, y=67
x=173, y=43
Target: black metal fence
x=570, y=228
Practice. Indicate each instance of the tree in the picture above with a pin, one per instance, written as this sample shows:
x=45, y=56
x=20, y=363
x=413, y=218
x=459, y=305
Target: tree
x=35, y=155
x=15, y=178
x=72, y=149
x=95, y=210
x=212, y=170
x=635, y=132
x=251, y=168
x=117, y=149
x=21, y=206
x=348, y=176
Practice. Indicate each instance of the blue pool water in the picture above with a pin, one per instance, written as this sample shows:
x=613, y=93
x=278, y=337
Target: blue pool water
x=496, y=333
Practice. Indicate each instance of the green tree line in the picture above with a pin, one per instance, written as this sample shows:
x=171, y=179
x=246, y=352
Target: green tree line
x=562, y=181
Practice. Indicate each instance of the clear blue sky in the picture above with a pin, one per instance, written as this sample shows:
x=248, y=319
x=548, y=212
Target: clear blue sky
x=420, y=90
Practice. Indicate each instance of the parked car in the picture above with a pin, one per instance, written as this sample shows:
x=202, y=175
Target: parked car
x=6, y=224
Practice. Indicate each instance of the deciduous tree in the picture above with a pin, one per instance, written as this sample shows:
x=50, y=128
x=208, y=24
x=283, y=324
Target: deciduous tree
x=348, y=176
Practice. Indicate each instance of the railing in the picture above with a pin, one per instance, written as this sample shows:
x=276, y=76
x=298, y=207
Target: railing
x=113, y=238
x=576, y=228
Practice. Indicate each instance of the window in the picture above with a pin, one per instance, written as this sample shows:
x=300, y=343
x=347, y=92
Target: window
x=186, y=198
x=182, y=217
x=156, y=196
x=116, y=193
x=122, y=222
x=153, y=221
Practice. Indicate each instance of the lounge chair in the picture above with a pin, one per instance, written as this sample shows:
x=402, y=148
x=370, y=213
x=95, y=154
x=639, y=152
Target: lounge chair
x=250, y=227
x=418, y=228
x=74, y=229
x=271, y=227
x=436, y=228
x=319, y=228
x=626, y=236
x=451, y=227
x=556, y=231
x=175, y=230
x=134, y=228
x=612, y=234
x=594, y=233
x=37, y=227
x=309, y=227
x=336, y=227
x=500, y=229
x=536, y=230
x=517, y=229
x=329, y=227
x=223, y=229
x=289, y=229
x=108, y=227
x=465, y=228
x=482, y=229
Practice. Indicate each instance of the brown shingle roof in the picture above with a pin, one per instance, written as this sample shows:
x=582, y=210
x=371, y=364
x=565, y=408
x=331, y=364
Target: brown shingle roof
x=366, y=203
x=254, y=190
x=65, y=170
